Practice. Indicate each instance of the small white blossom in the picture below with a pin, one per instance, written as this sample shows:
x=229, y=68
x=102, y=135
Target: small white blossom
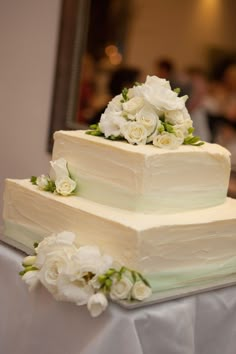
x=158, y=93
x=148, y=118
x=140, y=291
x=97, y=303
x=133, y=105
x=29, y=260
x=135, y=133
x=65, y=185
x=58, y=169
x=31, y=278
x=77, y=291
x=166, y=140
x=42, y=182
x=121, y=289
x=111, y=124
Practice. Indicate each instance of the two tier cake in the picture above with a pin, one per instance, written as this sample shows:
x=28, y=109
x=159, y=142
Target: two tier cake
x=160, y=209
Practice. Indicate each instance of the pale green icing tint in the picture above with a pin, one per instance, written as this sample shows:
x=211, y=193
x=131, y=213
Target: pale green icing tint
x=169, y=280
x=161, y=201
x=24, y=237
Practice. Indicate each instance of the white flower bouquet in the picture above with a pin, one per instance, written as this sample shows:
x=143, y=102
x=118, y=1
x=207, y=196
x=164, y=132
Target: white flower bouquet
x=149, y=113
x=82, y=275
x=59, y=180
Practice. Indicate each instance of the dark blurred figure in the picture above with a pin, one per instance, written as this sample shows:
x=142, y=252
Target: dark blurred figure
x=120, y=78
x=221, y=106
x=87, y=87
x=165, y=69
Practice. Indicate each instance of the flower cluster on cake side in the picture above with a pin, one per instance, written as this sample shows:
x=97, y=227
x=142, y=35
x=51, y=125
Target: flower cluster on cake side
x=82, y=275
x=59, y=180
x=148, y=113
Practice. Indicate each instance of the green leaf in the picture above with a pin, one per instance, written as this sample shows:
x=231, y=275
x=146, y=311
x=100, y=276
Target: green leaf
x=144, y=280
x=177, y=90
x=110, y=272
x=93, y=126
x=108, y=283
x=168, y=127
x=191, y=130
x=50, y=187
x=134, y=275
x=33, y=180
x=193, y=140
x=36, y=244
x=114, y=138
x=102, y=279
x=94, y=132
x=125, y=94
x=161, y=129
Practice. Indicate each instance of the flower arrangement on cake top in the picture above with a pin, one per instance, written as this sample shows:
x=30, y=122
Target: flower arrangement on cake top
x=148, y=113
x=82, y=275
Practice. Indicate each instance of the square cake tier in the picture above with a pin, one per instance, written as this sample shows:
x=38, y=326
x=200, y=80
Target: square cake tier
x=145, y=178
x=172, y=250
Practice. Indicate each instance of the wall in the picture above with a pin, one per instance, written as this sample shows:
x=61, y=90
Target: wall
x=181, y=30
x=28, y=37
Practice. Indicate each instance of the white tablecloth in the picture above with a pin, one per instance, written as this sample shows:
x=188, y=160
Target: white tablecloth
x=34, y=323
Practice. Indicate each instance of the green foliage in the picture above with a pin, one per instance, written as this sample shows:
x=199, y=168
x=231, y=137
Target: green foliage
x=33, y=180
x=193, y=140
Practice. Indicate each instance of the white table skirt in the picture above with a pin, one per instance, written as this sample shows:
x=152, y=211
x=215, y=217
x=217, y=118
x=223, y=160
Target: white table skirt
x=34, y=323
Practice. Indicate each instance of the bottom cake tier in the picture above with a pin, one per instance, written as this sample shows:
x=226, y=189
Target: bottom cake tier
x=173, y=251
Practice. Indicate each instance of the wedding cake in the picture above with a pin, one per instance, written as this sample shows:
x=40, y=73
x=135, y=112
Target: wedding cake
x=141, y=187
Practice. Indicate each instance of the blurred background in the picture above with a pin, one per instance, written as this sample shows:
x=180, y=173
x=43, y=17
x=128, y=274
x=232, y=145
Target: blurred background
x=62, y=61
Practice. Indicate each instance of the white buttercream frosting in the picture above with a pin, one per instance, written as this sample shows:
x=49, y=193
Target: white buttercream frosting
x=145, y=178
x=154, y=244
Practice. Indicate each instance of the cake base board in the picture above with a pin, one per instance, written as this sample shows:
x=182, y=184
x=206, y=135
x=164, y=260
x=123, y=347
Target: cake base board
x=179, y=293
x=17, y=245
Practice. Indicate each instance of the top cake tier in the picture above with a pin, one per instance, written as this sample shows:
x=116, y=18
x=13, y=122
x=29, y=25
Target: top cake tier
x=145, y=178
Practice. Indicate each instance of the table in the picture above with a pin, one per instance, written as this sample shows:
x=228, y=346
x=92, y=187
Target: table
x=34, y=323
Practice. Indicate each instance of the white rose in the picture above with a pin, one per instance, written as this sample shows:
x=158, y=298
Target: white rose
x=65, y=185
x=140, y=291
x=133, y=105
x=29, y=260
x=111, y=124
x=180, y=135
x=158, y=93
x=77, y=291
x=59, y=169
x=121, y=289
x=135, y=133
x=42, y=182
x=148, y=118
x=114, y=105
x=88, y=259
x=184, y=127
x=97, y=303
x=55, y=264
x=177, y=116
x=31, y=278
x=166, y=140
x=64, y=240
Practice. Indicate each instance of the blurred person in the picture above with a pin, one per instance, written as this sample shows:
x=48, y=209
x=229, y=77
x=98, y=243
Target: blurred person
x=119, y=79
x=220, y=106
x=166, y=69
x=195, y=104
x=87, y=89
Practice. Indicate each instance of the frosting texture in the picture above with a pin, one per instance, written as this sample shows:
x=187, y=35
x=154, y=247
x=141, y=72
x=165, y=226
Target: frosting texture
x=145, y=178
